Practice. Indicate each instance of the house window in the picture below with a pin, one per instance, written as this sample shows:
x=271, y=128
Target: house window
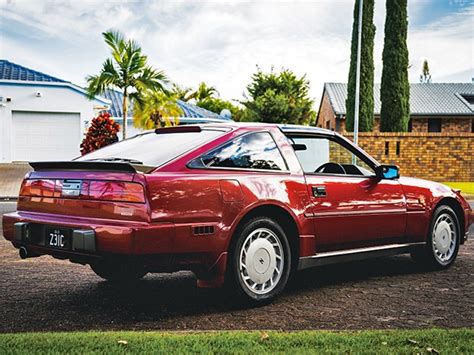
x=472, y=126
x=328, y=124
x=434, y=125
x=410, y=125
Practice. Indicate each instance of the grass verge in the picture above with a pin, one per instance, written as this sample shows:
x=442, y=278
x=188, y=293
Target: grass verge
x=448, y=341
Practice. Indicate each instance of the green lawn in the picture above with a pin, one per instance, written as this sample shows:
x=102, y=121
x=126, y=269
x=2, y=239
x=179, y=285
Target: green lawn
x=465, y=187
x=453, y=341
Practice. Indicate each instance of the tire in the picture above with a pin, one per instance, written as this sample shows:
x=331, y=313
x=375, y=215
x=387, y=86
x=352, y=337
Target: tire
x=118, y=272
x=443, y=240
x=260, y=262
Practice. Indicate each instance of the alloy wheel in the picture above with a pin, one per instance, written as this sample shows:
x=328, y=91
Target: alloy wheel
x=261, y=261
x=444, y=238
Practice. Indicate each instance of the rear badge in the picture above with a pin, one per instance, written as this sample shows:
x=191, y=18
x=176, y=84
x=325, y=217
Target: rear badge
x=71, y=188
x=124, y=211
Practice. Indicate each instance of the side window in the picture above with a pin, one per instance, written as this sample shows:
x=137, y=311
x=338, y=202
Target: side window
x=325, y=156
x=251, y=151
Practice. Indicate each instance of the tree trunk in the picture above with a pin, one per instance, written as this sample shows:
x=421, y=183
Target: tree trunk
x=125, y=112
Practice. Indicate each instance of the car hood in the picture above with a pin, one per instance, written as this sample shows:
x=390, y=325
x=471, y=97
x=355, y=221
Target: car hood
x=433, y=186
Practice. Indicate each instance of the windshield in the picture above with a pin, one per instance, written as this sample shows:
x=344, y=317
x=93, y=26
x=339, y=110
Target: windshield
x=152, y=149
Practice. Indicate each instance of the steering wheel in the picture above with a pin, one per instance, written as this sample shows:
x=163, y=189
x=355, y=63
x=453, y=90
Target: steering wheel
x=330, y=167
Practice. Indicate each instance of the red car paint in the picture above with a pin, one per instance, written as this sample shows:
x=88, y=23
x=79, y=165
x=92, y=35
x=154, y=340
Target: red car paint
x=163, y=228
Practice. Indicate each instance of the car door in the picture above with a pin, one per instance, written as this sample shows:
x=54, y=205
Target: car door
x=350, y=206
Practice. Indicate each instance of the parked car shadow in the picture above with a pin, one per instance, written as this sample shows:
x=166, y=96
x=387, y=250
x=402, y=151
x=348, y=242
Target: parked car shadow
x=158, y=296
x=356, y=271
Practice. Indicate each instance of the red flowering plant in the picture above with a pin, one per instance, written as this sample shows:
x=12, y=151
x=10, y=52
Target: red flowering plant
x=102, y=131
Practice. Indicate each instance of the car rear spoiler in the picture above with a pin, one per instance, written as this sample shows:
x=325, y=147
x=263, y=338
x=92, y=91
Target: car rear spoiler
x=89, y=165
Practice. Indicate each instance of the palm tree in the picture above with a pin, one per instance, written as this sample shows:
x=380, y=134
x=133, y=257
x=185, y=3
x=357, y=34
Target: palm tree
x=182, y=93
x=156, y=109
x=203, y=92
x=127, y=70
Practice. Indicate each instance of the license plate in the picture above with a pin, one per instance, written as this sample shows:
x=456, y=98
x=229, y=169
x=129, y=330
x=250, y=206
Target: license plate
x=57, y=238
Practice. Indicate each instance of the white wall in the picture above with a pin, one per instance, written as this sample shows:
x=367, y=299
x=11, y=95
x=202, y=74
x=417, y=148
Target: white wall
x=55, y=97
x=131, y=129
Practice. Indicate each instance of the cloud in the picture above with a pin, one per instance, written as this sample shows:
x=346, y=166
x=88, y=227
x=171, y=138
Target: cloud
x=222, y=42
x=447, y=44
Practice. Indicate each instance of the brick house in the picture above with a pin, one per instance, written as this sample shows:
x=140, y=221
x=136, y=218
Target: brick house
x=435, y=107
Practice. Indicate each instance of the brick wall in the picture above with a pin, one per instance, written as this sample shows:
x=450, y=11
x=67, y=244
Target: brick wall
x=432, y=156
x=326, y=115
x=420, y=125
x=448, y=125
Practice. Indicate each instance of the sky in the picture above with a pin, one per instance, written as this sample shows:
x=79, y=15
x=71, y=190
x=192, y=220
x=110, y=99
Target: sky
x=222, y=42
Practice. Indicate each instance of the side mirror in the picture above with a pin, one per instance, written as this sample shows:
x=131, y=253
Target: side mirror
x=387, y=172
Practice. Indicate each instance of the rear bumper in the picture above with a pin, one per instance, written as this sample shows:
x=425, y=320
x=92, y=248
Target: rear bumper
x=91, y=236
x=94, y=239
x=81, y=240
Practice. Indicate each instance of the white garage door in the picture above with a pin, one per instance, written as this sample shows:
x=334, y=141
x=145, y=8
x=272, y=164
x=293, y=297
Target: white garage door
x=45, y=136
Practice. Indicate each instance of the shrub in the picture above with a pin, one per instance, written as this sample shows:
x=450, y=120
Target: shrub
x=279, y=98
x=102, y=132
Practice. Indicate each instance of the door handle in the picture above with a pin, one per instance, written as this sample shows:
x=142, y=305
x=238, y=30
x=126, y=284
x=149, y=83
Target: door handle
x=319, y=191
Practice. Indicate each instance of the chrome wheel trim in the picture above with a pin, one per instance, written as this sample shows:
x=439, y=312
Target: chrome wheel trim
x=444, y=238
x=261, y=261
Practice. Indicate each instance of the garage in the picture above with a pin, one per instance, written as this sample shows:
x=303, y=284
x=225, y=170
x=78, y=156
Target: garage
x=45, y=136
x=42, y=117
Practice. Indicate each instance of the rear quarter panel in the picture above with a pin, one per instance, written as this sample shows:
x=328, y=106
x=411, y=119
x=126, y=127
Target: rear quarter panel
x=192, y=197
x=221, y=199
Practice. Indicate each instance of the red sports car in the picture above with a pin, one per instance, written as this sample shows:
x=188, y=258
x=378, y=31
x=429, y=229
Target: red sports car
x=243, y=205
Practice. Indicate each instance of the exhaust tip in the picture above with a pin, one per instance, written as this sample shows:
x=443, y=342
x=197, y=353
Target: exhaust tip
x=23, y=253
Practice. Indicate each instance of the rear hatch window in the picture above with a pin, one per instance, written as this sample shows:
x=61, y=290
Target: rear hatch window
x=151, y=149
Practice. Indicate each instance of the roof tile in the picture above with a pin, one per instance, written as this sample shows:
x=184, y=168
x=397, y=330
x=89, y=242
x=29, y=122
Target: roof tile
x=425, y=99
x=12, y=71
x=189, y=110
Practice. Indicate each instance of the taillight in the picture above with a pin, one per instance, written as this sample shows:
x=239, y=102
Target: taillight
x=116, y=191
x=38, y=188
x=89, y=190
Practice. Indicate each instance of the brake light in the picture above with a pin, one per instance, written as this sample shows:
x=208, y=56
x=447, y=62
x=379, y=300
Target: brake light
x=89, y=190
x=38, y=188
x=178, y=129
x=116, y=191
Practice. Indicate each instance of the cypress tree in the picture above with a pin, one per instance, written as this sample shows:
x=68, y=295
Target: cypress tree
x=395, y=88
x=366, y=97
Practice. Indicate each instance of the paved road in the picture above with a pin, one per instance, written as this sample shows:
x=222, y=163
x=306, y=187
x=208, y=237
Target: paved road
x=46, y=294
